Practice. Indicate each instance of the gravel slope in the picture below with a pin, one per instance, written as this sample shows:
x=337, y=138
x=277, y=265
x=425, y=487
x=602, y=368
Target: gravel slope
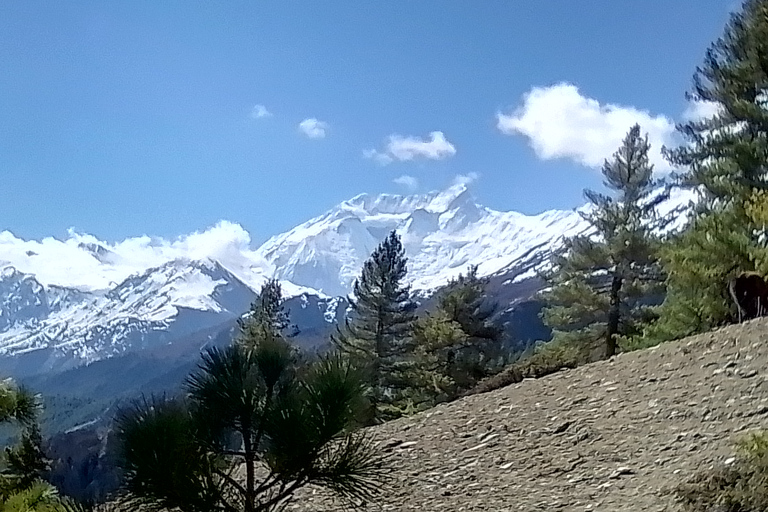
x=611, y=436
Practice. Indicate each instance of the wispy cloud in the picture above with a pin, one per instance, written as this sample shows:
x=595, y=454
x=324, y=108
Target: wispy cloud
x=381, y=158
x=404, y=149
x=313, y=128
x=560, y=122
x=409, y=182
x=259, y=112
x=466, y=179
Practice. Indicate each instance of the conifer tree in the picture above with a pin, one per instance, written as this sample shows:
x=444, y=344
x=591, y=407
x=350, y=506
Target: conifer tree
x=725, y=156
x=599, y=281
x=267, y=318
x=458, y=344
x=255, y=425
x=377, y=335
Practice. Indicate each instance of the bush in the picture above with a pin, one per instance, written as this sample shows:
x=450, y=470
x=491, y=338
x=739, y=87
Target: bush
x=546, y=358
x=738, y=487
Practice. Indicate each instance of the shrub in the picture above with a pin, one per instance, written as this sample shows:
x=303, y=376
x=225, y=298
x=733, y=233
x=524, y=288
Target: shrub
x=738, y=487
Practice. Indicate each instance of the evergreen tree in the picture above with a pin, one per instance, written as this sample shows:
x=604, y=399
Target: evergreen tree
x=436, y=338
x=24, y=463
x=267, y=317
x=725, y=158
x=599, y=282
x=377, y=335
x=252, y=409
x=23, y=466
x=457, y=344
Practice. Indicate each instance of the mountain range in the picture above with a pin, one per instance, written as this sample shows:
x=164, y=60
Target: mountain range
x=73, y=307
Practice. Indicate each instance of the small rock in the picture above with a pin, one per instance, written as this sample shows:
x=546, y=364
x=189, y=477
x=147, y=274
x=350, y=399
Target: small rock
x=477, y=447
x=622, y=471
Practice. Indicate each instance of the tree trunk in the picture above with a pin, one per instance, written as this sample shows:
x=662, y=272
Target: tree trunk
x=614, y=313
x=250, y=476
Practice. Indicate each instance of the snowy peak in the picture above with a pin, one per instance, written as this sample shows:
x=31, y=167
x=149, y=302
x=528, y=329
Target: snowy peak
x=392, y=204
x=443, y=233
x=71, y=325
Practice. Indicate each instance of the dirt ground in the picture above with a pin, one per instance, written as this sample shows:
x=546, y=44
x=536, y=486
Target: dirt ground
x=612, y=436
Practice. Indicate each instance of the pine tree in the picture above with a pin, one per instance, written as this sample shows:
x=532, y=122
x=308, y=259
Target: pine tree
x=436, y=338
x=725, y=157
x=23, y=466
x=255, y=426
x=458, y=343
x=267, y=318
x=377, y=336
x=599, y=282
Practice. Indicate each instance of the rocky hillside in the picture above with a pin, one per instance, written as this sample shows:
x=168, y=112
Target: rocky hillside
x=612, y=436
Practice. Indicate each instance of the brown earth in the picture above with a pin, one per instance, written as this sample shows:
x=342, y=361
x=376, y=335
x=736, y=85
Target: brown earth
x=611, y=436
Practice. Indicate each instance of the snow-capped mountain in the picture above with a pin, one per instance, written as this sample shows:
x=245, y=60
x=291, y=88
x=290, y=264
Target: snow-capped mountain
x=45, y=328
x=65, y=303
x=442, y=232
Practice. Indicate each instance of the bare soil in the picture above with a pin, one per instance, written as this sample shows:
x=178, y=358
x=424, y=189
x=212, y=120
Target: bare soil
x=611, y=436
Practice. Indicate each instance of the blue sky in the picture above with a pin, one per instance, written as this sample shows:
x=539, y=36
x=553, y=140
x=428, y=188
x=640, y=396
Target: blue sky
x=128, y=118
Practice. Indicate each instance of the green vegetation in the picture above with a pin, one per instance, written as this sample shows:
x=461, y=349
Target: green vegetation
x=377, y=337
x=741, y=486
x=725, y=157
x=252, y=409
x=23, y=465
x=599, y=282
x=457, y=344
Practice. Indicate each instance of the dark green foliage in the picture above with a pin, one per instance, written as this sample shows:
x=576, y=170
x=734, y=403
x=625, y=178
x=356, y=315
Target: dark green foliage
x=725, y=157
x=457, y=345
x=21, y=486
x=377, y=336
x=739, y=487
x=164, y=465
x=267, y=318
x=726, y=153
x=40, y=497
x=254, y=428
x=541, y=360
x=599, y=281
x=25, y=462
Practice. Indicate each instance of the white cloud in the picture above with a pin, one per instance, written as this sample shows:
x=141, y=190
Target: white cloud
x=409, y=182
x=381, y=158
x=466, y=179
x=260, y=111
x=72, y=261
x=560, y=122
x=313, y=128
x=699, y=110
x=406, y=149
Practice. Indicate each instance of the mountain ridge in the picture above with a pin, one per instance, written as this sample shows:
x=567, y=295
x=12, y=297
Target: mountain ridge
x=111, y=299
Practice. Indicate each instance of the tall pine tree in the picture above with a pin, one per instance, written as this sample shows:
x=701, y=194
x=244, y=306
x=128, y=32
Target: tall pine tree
x=377, y=335
x=725, y=156
x=598, y=284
